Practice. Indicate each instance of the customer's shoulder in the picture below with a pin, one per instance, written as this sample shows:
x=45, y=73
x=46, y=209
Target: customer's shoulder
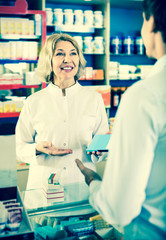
x=153, y=85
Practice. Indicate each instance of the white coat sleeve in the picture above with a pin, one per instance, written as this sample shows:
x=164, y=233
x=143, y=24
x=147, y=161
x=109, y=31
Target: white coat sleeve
x=25, y=137
x=120, y=195
x=101, y=126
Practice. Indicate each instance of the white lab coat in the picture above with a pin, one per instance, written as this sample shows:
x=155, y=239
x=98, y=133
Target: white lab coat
x=68, y=121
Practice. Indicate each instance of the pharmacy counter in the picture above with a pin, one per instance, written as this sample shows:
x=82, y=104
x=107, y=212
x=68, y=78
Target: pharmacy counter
x=45, y=215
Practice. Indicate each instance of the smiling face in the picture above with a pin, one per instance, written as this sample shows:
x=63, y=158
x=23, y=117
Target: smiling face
x=65, y=63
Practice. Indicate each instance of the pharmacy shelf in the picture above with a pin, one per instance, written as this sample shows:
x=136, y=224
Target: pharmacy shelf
x=10, y=115
x=18, y=36
x=72, y=28
x=10, y=61
x=112, y=111
x=16, y=86
x=122, y=83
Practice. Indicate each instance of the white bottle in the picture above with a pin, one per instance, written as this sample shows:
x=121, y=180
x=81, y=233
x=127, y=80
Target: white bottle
x=98, y=44
x=88, y=45
x=68, y=17
x=79, y=41
x=98, y=19
x=58, y=16
x=88, y=18
x=79, y=17
x=49, y=15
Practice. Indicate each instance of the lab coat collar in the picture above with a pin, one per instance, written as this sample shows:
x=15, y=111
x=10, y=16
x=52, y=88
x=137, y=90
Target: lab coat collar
x=69, y=91
x=160, y=64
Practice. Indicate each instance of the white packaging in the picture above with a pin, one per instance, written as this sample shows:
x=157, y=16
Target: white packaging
x=88, y=18
x=18, y=24
x=31, y=27
x=25, y=50
x=1, y=49
x=19, y=104
x=25, y=26
x=31, y=78
x=33, y=49
x=4, y=25
x=88, y=73
x=98, y=45
x=38, y=25
x=68, y=17
x=58, y=16
x=19, y=50
x=98, y=19
x=12, y=26
x=79, y=17
x=88, y=45
x=5, y=50
x=79, y=41
x=13, y=47
x=49, y=15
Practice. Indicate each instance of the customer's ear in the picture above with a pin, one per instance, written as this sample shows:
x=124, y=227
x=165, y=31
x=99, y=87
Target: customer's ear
x=151, y=24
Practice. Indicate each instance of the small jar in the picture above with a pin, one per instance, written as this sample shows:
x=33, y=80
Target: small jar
x=49, y=15
x=88, y=18
x=88, y=45
x=98, y=45
x=79, y=17
x=68, y=17
x=128, y=45
x=139, y=46
x=116, y=45
x=58, y=16
x=98, y=19
x=79, y=41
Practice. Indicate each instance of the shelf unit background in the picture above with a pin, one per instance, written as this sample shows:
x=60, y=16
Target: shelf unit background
x=125, y=21
x=97, y=61
x=19, y=9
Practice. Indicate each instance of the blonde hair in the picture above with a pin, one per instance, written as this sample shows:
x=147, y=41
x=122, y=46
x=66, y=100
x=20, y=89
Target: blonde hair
x=44, y=67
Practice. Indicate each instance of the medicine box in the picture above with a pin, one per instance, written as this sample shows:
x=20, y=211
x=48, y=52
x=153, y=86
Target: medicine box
x=99, y=143
x=9, y=189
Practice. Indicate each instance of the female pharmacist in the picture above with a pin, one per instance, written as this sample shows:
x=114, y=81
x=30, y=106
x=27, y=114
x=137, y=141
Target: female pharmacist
x=133, y=190
x=57, y=122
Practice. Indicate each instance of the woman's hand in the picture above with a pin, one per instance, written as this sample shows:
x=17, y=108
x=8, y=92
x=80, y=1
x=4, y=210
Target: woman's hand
x=50, y=149
x=89, y=174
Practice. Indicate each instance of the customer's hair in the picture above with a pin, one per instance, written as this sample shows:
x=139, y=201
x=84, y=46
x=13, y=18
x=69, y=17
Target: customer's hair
x=44, y=67
x=157, y=8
